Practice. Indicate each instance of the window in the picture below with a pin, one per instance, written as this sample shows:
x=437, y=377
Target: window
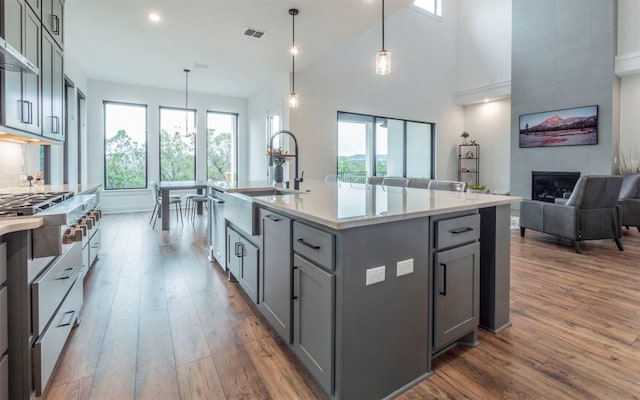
x=379, y=146
x=177, y=144
x=222, y=131
x=125, y=144
x=431, y=6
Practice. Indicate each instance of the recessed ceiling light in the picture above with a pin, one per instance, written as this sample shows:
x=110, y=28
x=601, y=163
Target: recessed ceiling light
x=154, y=17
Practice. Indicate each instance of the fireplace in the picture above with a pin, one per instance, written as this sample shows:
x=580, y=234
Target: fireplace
x=550, y=185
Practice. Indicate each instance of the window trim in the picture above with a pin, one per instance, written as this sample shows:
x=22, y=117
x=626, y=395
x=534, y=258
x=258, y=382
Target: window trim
x=437, y=15
x=195, y=148
x=104, y=143
x=234, y=149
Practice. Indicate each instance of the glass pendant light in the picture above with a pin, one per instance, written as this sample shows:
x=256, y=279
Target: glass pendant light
x=293, y=97
x=383, y=58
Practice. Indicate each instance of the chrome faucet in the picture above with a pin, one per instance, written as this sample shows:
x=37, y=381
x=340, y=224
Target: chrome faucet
x=297, y=179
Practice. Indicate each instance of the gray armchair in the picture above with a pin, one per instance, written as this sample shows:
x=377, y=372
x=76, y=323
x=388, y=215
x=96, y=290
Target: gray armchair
x=590, y=213
x=629, y=201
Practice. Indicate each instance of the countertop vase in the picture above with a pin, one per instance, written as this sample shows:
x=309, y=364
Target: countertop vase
x=278, y=174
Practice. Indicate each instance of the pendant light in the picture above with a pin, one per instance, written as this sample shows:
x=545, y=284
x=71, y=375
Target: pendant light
x=186, y=105
x=383, y=58
x=293, y=97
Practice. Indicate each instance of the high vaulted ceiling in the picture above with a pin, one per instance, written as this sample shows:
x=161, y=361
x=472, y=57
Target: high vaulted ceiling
x=114, y=40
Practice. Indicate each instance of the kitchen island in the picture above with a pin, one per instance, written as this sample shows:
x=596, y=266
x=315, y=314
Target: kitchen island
x=367, y=283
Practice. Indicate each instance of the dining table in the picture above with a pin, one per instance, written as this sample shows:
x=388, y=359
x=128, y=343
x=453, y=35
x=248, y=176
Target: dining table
x=166, y=187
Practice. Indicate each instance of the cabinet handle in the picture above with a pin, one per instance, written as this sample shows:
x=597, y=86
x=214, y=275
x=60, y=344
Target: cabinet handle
x=55, y=124
x=55, y=22
x=273, y=218
x=70, y=315
x=304, y=242
x=68, y=275
x=239, y=249
x=444, y=279
x=25, y=117
x=458, y=231
x=217, y=200
x=30, y=104
x=296, y=283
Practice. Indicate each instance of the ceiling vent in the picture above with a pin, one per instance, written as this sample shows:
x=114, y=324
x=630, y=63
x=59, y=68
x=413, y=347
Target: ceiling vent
x=253, y=33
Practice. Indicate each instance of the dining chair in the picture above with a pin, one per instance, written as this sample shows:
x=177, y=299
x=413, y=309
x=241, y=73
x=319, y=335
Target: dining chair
x=192, y=200
x=375, y=180
x=175, y=200
x=400, y=182
x=420, y=183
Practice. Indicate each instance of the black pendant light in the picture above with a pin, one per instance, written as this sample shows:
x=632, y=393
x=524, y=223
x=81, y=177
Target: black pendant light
x=293, y=96
x=383, y=58
x=186, y=104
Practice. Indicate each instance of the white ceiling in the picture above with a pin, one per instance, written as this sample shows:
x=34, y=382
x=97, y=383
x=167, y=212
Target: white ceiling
x=113, y=40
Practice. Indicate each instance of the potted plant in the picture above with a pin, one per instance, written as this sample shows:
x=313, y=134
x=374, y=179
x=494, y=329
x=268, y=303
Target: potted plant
x=464, y=137
x=278, y=157
x=477, y=189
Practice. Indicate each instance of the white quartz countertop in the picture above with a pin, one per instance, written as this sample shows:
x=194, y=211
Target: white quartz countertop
x=9, y=225
x=52, y=188
x=345, y=205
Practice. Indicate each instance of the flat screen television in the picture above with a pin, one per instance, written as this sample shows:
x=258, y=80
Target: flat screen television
x=569, y=127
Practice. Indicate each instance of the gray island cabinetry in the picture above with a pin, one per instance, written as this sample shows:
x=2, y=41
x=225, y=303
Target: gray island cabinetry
x=366, y=283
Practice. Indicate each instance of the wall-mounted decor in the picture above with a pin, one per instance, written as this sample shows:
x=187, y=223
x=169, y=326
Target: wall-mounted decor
x=568, y=127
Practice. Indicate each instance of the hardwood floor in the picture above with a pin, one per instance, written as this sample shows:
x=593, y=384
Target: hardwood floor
x=161, y=322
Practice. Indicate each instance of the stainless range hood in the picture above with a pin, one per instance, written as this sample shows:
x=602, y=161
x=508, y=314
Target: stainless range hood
x=12, y=60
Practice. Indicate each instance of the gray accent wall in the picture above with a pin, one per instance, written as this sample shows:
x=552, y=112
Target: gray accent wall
x=563, y=57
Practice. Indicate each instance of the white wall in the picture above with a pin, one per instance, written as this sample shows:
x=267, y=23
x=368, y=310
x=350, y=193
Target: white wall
x=489, y=124
x=270, y=97
x=420, y=88
x=132, y=200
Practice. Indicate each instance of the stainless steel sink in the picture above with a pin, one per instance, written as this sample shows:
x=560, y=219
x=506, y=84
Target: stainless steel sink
x=240, y=209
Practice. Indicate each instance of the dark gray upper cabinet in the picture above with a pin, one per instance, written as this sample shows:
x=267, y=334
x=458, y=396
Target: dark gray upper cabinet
x=275, y=273
x=313, y=329
x=52, y=19
x=20, y=94
x=456, y=276
x=52, y=78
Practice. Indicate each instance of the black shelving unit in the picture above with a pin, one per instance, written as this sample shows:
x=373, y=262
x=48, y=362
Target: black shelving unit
x=469, y=163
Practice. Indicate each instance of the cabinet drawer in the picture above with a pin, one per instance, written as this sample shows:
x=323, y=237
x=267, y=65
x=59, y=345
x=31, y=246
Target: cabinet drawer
x=94, y=247
x=314, y=244
x=49, y=346
x=3, y=263
x=455, y=231
x=49, y=289
x=4, y=377
x=4, y=323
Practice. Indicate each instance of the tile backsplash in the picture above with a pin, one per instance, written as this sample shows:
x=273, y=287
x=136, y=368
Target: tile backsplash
x=14, y=161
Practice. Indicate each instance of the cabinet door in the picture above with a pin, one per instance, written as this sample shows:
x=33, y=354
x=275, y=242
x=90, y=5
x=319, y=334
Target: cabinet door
x=31, y=82
x=233, y=252
x=249, y=269
x=275, y=276
x=57, y=21
x=14, y=109
x=52, y=88
x=313, y=327
x=36, y=6
x=456, y=293
x=52, y=14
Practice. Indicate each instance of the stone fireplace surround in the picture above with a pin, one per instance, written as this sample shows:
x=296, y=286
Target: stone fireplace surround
x=550, y=185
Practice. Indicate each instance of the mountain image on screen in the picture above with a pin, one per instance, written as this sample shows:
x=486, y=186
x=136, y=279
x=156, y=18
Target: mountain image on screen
x=571, y=127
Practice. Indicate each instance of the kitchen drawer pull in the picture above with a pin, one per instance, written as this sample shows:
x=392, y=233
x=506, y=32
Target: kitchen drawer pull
x=55, y=124
x=458, y=231
x=304, y=242
x=67, y=275
x=217, y=200
x=68, y=321
x=444, y=278
x=273, y=218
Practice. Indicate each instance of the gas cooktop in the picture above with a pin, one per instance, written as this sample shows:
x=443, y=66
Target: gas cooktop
x=25, y=204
